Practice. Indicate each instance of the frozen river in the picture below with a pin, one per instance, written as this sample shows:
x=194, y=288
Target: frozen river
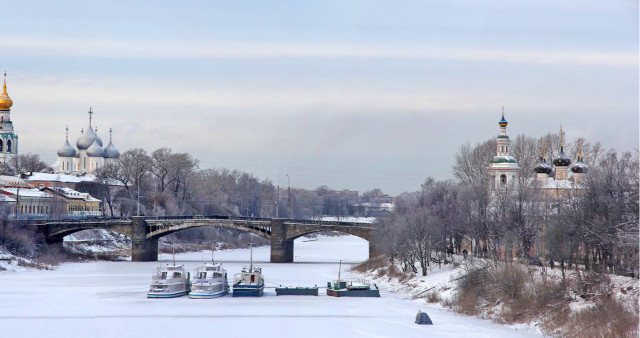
x=108, y=299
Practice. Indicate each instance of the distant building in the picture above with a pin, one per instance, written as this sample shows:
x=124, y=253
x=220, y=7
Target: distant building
x=561, y=184
x=503, y=169
x=8, y=137
x=27, y=201
x=89, y=155
x=76, y=204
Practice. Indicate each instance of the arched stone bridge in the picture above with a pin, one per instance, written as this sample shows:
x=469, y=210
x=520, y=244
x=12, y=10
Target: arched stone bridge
x=145, y=231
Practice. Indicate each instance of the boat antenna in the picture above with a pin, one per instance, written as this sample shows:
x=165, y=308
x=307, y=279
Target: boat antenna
x=212, y=260
x=173, y=249
x=339, y=268
x=251, y=254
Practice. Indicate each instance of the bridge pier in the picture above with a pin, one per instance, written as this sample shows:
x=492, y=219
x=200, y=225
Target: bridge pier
x=142, y=249
x=281, y=247
x=55, y=242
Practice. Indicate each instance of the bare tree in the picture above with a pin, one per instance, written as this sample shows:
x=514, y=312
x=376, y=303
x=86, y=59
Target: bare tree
x=25, y=163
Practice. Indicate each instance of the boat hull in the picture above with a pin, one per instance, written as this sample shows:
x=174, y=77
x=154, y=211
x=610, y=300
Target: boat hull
x=353, y=293
x=207, y=295
x=248, y=291
x=166, y=294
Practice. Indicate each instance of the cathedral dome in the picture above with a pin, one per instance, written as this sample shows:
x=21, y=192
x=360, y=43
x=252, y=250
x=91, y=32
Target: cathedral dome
x=503, y=122
x=562, y=160
x=95, y=150
x=5, y=100
x=579, y=167
x=542, y=167
x=66, y=150
x=86, y=139
x=111, y=152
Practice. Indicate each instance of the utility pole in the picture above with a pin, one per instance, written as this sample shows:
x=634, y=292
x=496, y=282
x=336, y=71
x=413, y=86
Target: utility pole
x=289, y=197
x=17, y=202
x=138, y=204
x=277, y=196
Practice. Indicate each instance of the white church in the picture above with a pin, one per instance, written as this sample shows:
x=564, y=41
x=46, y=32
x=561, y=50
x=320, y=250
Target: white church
x=88, y=155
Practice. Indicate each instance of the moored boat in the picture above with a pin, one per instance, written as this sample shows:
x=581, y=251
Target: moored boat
x=249, y=282
x=210, y=281
x=351, y=287
x=169, y=281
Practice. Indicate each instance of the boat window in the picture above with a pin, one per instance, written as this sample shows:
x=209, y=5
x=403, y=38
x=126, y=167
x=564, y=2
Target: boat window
x=163, y=275
x=202, y=275
x=176, y=275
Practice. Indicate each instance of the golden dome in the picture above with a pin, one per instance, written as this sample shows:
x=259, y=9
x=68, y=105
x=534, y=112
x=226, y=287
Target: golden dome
x=5, y=100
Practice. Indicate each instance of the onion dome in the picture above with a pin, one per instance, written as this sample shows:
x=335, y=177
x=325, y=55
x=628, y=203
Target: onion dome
x=95, y=150
x=579, y=167
x=503, y=123
x=5, y=100
x=110, y=151
x=542, y=167
x=562, y=160
x=66, y=150
x=87, y=138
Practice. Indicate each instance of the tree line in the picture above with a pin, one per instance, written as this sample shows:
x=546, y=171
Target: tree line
x=594, y=226
x=165, y=183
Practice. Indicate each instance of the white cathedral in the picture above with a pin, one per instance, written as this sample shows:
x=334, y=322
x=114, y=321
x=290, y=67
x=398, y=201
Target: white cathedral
x=89, y=155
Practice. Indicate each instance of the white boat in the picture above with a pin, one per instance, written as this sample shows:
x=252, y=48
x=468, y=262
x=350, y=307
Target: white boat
x=169, y=281
x=209, y=281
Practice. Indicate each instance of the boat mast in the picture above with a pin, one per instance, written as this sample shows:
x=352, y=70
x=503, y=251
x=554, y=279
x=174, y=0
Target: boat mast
x=251, y=254
x=173, y=249
x=339, y=268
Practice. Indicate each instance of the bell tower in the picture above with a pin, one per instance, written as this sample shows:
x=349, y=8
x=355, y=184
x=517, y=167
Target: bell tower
x=8, y=138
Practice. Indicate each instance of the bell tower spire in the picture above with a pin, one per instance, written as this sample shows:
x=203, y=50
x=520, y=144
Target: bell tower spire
x=9, y=139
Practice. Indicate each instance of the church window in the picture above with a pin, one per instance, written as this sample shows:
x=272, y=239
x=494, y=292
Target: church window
x=1, y=145
x=503, y=179
x=9, y=146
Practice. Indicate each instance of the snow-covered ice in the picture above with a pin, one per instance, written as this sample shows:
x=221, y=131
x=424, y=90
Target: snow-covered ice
x=108, y=299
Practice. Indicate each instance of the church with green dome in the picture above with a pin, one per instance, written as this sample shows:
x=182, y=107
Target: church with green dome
x=503, y=169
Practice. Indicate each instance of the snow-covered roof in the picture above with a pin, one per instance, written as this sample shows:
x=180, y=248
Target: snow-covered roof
x=33, y=192
x=58, y=178
x=70, y=193
x=14, y=182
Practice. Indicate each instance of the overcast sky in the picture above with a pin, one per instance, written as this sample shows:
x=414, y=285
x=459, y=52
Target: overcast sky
x=349, y=94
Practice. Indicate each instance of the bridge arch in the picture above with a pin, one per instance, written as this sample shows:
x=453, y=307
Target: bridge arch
x=354, y=232
x=157, y=230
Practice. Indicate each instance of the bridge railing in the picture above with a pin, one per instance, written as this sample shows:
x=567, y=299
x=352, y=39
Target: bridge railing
x=208, y=217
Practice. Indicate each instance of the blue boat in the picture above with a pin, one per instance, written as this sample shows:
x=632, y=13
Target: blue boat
x=249, y=282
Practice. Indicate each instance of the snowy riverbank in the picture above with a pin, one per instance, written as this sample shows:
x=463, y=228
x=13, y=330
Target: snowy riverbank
x=107, y=299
